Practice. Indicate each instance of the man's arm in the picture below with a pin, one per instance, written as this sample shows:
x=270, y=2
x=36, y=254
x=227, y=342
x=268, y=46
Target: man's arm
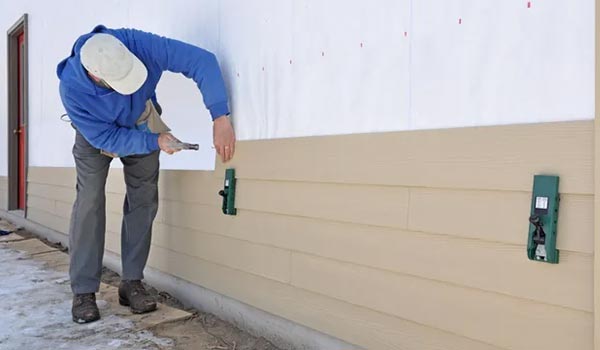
x=197, y=64
x=193, y=62
x=108, y=136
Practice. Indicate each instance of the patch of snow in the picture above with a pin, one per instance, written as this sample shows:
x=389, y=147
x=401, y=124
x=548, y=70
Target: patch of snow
x=35, y=313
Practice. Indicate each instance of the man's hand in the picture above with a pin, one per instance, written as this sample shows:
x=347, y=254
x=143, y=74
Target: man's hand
x=165, y=141
x=224, y=138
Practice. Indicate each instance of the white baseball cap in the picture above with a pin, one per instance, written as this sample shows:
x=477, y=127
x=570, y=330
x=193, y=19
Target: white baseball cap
x=107, y=58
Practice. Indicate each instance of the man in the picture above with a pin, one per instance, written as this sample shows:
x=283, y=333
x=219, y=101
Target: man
x=107, y=86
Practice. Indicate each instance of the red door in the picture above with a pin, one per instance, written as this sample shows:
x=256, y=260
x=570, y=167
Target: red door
x=20, y=131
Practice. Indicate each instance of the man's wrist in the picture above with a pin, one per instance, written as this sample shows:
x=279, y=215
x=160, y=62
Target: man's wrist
x=221, y=118
x=219, y=109
x=152, y=141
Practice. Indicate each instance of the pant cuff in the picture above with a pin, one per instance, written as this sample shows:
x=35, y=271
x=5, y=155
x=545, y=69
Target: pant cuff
x=85, y=289
x=132, y=277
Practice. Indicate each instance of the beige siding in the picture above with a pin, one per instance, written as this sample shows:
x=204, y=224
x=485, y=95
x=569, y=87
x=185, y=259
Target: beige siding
x=596, y=158
x=491, y=216
x=420, y=246
x=3, y=192
x=50, y=191
x=371, y=205
x=491, y=158
x=353, y=323
x=48, y=219
x=456, y=309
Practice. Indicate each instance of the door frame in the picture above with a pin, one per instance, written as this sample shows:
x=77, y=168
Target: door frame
x=12, y=39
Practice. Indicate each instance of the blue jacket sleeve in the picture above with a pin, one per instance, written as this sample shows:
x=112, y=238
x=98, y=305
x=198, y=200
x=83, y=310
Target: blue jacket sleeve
x=107, y=136
x=193, y=62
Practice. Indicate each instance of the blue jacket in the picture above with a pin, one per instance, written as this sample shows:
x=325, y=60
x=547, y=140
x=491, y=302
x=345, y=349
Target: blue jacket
x=106, y=118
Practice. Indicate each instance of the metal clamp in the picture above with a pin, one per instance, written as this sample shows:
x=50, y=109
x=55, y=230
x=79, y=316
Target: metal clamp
x=543, y=220
x=228, y=193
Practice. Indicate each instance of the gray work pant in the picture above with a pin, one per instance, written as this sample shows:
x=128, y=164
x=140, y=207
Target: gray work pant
x=88, y=220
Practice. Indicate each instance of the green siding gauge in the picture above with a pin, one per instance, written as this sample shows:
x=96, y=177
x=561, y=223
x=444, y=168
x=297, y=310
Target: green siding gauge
x=228, y=193
x=541, y=244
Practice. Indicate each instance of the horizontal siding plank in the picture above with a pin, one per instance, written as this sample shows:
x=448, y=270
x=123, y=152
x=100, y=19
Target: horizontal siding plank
x=374, y=205
x=200, y=187
x=47, y=205
x=498, y=216
x=3, y=183
x=357, y=325
x=114, y=216
x=115, y=181
x=65, y=198
x=50, y=220
x=266, y=261
x=496, y=157
x=3, y=200
x=112, y=242
x=194, y=216
x=575, y=230
x=494, y=319
x=65, y=177
x=114, y=202
x=491, y=266
x=55, y=192
x=179, y=185
x=63, y=209
x=3, y=193
x=473, y=158
x=113, y=222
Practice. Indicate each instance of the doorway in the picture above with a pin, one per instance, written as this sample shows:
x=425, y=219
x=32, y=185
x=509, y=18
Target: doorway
x=17, y=114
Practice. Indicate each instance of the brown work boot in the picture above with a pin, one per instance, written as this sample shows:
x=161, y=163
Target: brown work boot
x=84, y=308
x=134, y=295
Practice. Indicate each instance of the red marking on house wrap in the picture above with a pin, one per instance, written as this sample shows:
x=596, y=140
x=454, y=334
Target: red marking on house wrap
x=529, y=4
x=460, y=21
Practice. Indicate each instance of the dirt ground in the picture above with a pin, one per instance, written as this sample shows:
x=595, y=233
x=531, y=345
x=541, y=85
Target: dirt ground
x=200, y=331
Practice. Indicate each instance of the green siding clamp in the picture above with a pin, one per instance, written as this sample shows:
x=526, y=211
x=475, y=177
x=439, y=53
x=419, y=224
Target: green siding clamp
x=541, y=243
x=228, y=193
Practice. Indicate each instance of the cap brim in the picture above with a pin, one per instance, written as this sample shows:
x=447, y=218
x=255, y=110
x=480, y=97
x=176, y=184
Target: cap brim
x=133, y=81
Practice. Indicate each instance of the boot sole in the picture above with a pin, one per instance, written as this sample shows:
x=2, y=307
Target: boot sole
x=125, y=302
x=83, y=321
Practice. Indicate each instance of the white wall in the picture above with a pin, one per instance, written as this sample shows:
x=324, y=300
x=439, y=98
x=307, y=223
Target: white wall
x=54, y=26
x=314, y=67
